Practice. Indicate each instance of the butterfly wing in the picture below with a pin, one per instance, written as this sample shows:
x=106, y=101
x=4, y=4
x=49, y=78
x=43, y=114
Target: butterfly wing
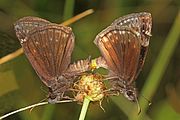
x=120, y=47
x=24, y=25
x=49, y=49
x=142, y=23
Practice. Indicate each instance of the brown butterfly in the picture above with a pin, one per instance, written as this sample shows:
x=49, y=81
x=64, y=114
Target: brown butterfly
x=48, y=47
x=124, y=45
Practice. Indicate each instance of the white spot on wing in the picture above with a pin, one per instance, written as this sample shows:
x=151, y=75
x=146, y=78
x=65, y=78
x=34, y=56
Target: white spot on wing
x=36, y=43
x=128, y=20
x=17, y=27
x=105, y=39
x=109, y=34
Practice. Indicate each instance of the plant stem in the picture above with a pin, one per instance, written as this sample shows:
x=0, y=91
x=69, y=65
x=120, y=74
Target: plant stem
x=84, y=108
x=77, y=17
x=68, y=9
x=22, y=109
x=32, y=106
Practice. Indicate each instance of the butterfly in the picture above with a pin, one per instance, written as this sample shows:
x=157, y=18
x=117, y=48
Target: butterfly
x=48, y=47
x=124, y=45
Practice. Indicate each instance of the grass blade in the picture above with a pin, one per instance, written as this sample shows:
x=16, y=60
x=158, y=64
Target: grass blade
x=159, y=66
x=84, y=108
x=68, y=9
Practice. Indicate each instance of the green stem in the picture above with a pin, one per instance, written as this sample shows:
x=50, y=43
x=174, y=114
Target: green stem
x=68, y=9
x=84, y=108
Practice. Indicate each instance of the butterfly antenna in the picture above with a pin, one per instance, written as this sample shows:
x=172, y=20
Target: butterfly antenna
x=138, y=106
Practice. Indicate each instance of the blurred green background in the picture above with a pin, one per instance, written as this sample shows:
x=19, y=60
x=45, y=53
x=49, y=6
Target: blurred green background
x=159, y=81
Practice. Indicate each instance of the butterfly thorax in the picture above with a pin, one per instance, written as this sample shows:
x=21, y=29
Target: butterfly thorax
x=130, y=92
x=120, y=86
x=58, y=88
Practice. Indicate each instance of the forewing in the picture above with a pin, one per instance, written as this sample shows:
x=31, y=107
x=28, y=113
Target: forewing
x=142, y=58
x=121, y=49
x=139, y=22
x=49, y=49
x=133, y=18
x=24, y=25
x=142, y=24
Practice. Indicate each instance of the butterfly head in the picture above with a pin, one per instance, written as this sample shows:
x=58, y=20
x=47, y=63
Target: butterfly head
x=130, y=93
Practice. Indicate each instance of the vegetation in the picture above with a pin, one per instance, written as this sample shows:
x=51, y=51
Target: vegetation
x=158, y=82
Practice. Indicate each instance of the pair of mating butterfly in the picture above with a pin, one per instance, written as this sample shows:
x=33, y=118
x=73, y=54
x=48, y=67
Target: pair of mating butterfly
x=123, y=46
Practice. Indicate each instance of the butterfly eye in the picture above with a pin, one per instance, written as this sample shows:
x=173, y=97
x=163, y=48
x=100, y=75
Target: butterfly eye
x=130, y=95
